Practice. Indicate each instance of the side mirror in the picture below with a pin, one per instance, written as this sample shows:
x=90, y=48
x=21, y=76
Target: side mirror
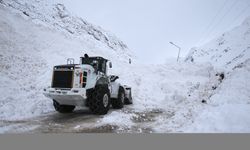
x=110, y=64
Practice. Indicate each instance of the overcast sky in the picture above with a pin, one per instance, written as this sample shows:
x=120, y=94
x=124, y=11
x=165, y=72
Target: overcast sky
x=147, y=26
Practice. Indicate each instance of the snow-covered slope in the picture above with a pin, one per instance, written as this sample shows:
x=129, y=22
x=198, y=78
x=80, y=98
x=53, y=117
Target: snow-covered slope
x=36, y=35
x=228, y=50
x=53, y=14
x=228, y=108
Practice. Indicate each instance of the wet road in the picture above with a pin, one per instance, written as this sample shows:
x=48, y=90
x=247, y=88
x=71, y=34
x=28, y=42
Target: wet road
x=80, y=121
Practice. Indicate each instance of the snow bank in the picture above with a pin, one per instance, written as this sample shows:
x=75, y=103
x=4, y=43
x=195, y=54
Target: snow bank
x=170, y=94
x=229, y=108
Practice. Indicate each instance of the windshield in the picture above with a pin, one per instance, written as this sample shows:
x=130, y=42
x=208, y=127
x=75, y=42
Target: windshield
x=89, y=61
x=100, y=64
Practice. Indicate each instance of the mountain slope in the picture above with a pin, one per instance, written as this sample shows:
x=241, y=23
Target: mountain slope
x=228, y=50
x=228, y=108
x=55, y=15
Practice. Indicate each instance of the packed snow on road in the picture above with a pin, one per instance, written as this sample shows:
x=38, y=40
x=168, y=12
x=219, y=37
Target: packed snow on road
x=208, y=91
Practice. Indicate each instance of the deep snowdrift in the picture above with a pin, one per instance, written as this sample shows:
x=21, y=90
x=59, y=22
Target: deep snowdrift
x=228, y=110
x=167, y=97
x=229, y=107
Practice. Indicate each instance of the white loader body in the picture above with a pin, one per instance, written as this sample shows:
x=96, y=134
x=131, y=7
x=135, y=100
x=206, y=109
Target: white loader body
x=71, y=84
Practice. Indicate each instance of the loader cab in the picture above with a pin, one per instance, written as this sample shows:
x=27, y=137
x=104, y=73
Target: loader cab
x=98, y=63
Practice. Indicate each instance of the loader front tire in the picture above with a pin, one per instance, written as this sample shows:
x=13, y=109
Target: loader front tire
x=129, y=100
x=99, y=102
x=119, y=102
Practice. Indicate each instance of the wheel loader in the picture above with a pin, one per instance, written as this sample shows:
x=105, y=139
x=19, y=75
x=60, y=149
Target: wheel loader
x=87, y=85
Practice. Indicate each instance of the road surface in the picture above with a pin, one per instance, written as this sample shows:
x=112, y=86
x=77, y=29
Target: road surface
x=81, y=121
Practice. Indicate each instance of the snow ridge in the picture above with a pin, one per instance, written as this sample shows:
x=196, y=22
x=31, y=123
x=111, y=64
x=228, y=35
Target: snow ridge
x=56, y=15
